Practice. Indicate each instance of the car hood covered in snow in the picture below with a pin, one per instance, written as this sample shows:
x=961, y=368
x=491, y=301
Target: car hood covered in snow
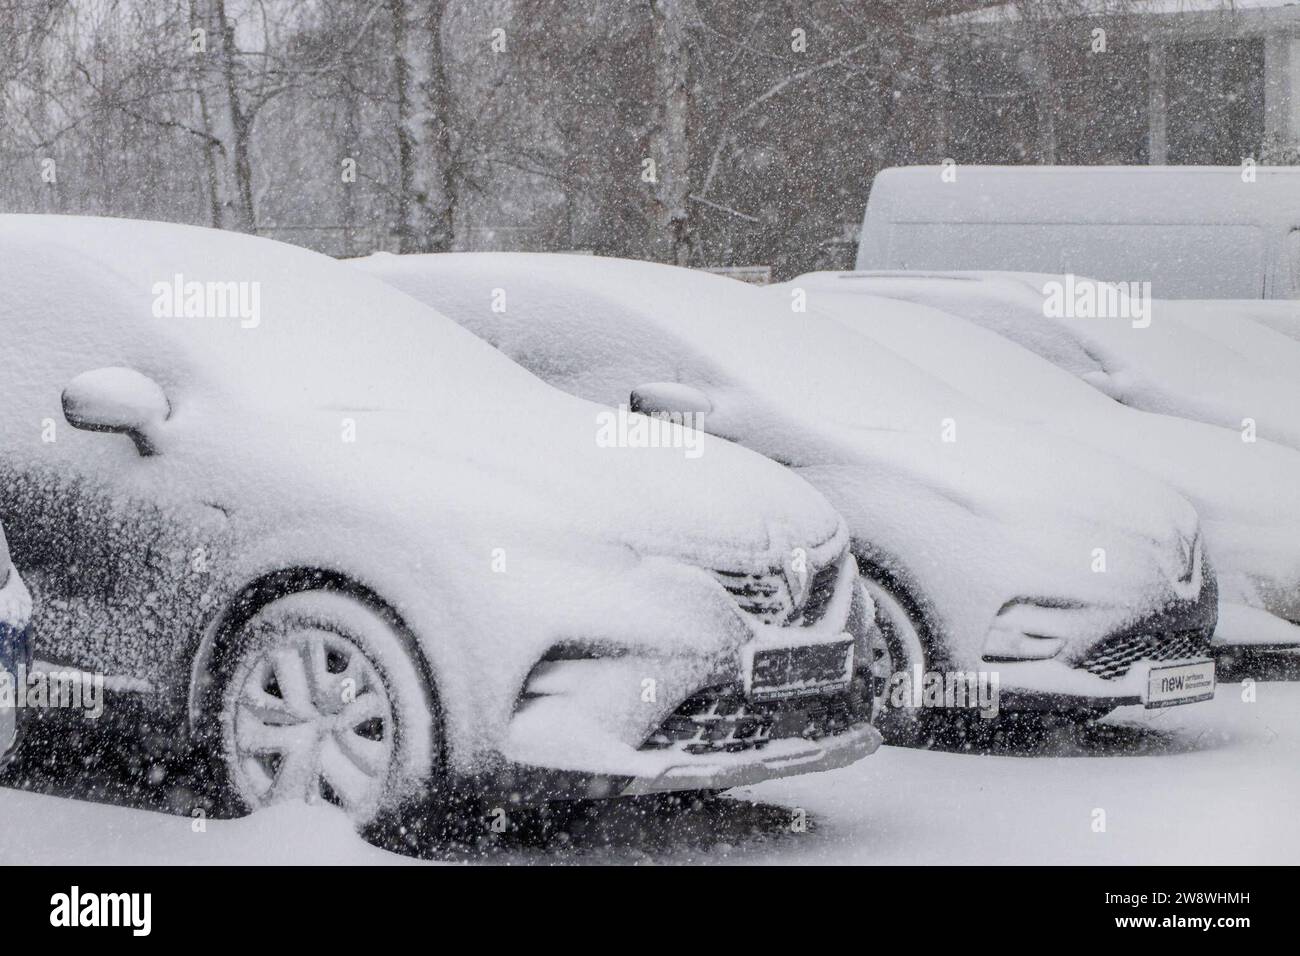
x=973, y=513
x=350, y=428
x=1247, y=494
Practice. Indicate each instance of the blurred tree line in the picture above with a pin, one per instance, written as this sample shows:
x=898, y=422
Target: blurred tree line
x=703, y=132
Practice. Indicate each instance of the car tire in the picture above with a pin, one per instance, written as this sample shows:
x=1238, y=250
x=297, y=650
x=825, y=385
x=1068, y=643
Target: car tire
x=901, y=726
x=318, y=700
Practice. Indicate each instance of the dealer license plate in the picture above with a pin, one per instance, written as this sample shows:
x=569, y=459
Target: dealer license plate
x=780, y=673
x=1180, y=684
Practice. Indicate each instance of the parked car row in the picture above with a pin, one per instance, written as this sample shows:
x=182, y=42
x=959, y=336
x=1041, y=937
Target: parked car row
x=1217, y=345
x=978, y=551
x=366, y=545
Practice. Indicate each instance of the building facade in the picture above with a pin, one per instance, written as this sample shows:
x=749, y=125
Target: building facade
x=1175, y=81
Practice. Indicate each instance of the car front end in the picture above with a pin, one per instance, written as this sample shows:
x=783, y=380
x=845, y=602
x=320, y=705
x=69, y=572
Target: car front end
x=1161, y=659
x=796, y=693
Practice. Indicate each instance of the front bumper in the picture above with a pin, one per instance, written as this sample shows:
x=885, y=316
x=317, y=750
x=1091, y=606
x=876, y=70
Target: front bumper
x=1113, y=670
x=1054, y=685
x=560, y=749
x=643, y=772
x=793, y=699
x=780, y=758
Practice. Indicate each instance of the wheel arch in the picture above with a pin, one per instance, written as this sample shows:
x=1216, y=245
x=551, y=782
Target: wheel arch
x=888, y=574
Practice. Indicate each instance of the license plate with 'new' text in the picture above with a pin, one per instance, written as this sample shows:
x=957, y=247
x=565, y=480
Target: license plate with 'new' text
x=1180, y=684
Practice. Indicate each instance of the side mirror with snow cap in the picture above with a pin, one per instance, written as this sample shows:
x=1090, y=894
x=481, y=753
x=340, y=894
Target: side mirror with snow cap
x=118, y=399
x=670, y=400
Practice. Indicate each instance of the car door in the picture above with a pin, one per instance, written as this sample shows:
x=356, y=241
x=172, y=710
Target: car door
x=121, y=554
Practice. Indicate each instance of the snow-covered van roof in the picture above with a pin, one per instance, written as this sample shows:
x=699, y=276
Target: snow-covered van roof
x=1192, y=231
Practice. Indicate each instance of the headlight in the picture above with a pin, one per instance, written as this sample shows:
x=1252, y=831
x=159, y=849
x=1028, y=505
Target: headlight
x=1001, y=646
x=1032, y=630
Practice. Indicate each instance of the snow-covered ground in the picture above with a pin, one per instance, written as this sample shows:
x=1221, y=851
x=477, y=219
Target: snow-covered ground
x=1210, y=783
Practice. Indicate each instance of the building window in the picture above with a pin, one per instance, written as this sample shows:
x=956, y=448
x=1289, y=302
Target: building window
x=1215, y=93
x=992, y=113
x=1103, y=99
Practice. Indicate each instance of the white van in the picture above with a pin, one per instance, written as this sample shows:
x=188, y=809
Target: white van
x=1194, y=232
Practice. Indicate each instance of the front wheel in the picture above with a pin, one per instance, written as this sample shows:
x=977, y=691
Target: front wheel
x=899, y=652
x=320, y=701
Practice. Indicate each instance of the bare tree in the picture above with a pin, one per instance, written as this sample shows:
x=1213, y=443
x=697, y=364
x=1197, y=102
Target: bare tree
x=671, y=236
x=241, y=116
x=213, y=150
x=763, y=151
x=425, y=190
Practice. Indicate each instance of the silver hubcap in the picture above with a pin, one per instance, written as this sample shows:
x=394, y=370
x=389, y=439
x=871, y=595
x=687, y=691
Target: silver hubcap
x=308, y=718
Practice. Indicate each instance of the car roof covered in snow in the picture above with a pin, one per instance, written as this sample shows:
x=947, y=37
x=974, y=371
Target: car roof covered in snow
x=1206, y=361
x=322, y=334
x=330, y=343
x=539, y=305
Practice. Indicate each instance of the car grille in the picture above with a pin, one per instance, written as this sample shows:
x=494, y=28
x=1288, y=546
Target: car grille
x=722, y=720
x=1113, y=657
x=767, y=596
x=820, y=594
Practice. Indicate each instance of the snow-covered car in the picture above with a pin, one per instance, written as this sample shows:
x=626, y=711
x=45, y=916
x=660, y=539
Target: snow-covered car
x=1220, y=366
x=1247, y=494
x=1264, y=331
x=15, y=658
x=988, y=547
x=362, y=557
x=1281, y=316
